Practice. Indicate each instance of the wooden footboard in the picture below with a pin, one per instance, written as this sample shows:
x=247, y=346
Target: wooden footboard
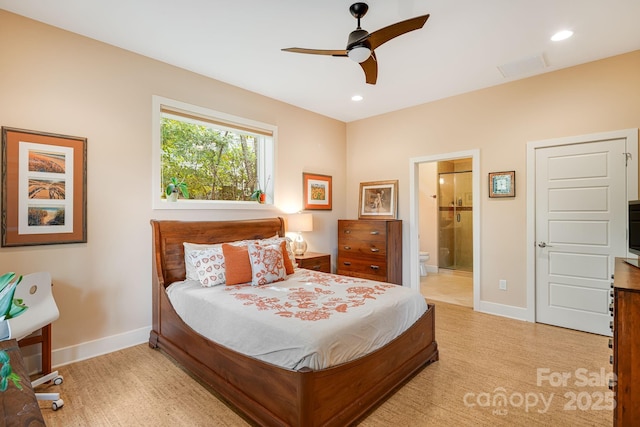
x=270, y=395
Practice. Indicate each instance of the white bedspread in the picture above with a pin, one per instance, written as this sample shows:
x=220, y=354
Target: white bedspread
x=312, y=319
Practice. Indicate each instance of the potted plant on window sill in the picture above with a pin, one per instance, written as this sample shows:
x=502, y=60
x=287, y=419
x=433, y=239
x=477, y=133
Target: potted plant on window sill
x=174, y=187
x=260, y=195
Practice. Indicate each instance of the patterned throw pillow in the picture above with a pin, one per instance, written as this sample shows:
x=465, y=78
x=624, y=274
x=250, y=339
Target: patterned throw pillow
x=267, y=264
x=209, y=265
x=277, y=240
x=189, y=248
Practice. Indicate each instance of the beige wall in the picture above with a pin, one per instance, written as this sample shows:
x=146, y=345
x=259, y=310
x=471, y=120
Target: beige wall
x=59, y=82
x=595, y=97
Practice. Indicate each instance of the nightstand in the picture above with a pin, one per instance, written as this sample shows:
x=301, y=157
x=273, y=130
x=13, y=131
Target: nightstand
x=315, y=261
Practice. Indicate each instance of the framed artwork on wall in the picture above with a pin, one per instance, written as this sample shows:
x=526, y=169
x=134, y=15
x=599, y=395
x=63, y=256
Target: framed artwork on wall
x=378, y=200
x=502, y=184
x=44, y=188
x=317, y=191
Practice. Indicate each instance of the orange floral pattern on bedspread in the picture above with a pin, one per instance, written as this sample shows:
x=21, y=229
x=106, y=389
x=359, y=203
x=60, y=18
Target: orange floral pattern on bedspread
x=313, y=301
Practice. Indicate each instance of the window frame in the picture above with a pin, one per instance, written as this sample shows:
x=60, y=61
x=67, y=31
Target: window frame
x=266, y=155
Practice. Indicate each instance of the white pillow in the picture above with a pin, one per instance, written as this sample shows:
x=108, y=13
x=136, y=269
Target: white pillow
x=209, y=265
x=267, y=264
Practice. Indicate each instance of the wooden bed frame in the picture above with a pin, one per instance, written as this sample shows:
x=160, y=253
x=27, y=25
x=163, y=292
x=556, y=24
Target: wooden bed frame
x=266, y=394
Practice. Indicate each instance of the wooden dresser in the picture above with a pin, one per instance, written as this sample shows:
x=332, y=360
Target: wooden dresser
x=371, y=249
x=626, y=344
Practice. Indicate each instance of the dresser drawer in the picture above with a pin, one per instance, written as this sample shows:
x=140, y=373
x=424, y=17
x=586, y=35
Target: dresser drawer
x=361, y=266
x=369, y=250
x=363, y=231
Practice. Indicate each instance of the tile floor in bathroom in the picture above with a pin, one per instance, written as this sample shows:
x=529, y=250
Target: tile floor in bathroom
x=451, y=286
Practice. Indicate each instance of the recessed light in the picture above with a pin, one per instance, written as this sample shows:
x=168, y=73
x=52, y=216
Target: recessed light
x=357, y=98
x=561, y=35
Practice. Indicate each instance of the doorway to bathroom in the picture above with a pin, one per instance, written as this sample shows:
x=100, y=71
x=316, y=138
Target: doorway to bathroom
x=444, y=191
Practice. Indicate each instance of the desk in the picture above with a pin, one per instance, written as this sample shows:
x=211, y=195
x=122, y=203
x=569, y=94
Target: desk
x=19, y=407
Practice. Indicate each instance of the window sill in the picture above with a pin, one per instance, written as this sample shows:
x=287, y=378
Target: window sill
x=209, y=204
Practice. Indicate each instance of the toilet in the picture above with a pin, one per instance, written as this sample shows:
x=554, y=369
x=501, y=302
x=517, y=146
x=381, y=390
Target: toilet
x=424, y=257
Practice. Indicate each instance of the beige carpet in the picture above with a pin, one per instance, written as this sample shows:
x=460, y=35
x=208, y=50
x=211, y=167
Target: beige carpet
x=481, y=357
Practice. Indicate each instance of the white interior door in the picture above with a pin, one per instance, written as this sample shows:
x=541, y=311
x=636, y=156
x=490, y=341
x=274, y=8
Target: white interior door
x=581, y=206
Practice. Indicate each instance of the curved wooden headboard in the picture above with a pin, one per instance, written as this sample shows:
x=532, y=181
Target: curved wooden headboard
x=169, y=236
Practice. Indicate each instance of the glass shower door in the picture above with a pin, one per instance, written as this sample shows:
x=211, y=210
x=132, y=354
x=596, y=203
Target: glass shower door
x=455, y=228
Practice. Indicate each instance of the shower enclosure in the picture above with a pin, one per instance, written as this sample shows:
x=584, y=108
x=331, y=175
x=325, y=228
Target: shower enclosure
x=455, y=220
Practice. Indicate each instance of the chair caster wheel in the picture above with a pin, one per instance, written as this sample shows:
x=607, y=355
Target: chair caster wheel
x=58, y=380
x=57, y=404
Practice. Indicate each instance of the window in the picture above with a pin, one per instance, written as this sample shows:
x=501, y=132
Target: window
x=223, y=159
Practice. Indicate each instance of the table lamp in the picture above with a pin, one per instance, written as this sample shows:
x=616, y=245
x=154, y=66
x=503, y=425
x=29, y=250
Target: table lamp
x=298, y=223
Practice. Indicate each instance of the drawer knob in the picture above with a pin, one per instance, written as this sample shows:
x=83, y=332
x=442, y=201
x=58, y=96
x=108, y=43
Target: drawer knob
x=375, y=232
x=375, y=250
x=375, y=267
x=347, y=231
x=347, y=263
x=347, y=248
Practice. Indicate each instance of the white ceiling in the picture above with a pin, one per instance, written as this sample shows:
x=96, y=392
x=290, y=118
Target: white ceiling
x=458, y=50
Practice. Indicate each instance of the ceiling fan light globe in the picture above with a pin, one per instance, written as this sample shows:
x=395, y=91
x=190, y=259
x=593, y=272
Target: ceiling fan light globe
x=359, y=54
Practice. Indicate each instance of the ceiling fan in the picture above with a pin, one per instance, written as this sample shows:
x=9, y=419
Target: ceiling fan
x=362, y=44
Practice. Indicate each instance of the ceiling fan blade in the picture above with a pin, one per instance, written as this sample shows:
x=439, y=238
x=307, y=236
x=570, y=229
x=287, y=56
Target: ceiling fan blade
x=316, y=51
x=370, y=68
x=385, y=34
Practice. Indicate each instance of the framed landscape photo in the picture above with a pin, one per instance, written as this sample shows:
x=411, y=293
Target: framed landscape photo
x=502, y=184
x=44, y=188
x=378, y=200
x=317, y=191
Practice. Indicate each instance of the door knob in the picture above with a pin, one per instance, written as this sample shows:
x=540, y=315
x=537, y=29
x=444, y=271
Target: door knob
x=544, y=245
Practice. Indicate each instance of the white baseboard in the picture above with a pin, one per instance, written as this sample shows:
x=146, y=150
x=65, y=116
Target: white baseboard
x=87, y=350
x=518, y=313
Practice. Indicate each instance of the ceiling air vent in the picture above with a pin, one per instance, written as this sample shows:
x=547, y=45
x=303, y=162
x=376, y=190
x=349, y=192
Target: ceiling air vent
x=522, y=67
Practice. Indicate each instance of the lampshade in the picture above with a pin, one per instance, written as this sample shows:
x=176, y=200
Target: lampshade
x=359, y=54
x=300, y=222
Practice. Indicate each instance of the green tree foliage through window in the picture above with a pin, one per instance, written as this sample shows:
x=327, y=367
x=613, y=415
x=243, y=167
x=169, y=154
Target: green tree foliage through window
x=216, y=163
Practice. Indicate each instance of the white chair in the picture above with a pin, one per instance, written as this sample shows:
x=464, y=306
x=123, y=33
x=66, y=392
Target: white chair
x=35, y=291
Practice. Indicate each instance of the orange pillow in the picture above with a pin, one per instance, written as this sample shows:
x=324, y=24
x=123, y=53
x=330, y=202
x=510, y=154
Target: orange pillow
x=288, y=265
x=237, y=264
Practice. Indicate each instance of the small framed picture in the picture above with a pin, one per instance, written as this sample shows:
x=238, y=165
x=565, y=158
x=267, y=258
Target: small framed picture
x=378, y=200
x=44, y=188
x=502, y=184
x=316, y=191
